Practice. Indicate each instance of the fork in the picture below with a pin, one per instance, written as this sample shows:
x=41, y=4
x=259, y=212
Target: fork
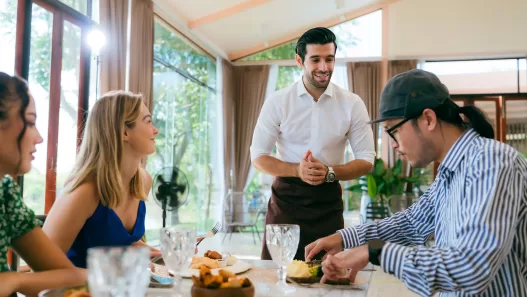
x=211, y=233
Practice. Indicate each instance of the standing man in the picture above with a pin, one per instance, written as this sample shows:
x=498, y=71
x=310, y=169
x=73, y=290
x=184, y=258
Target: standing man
x=476, y=206
x=310, y=122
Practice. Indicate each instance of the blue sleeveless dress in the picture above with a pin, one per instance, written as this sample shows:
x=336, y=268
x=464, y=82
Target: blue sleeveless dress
x=104, y=228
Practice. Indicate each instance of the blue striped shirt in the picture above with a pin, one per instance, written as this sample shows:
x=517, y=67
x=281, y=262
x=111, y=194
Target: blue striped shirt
x=477, y=208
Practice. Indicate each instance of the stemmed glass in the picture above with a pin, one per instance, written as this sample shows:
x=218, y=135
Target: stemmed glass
x=118, y=271
x=177, y=247
x=282, y=242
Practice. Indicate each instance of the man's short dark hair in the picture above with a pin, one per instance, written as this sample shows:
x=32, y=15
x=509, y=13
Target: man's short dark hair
x=317, y=35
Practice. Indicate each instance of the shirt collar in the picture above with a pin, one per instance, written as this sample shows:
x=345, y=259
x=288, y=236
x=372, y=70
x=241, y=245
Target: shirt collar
x=458, y=150
x=301, y=89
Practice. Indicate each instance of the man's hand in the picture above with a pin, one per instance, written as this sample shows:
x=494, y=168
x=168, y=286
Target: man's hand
x=355, y=259
x=311, y=170
x=331, y=244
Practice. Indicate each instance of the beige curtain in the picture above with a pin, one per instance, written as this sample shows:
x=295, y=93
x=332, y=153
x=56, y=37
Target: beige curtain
x=364, y=79
x=229, y=86
x=399, y=66
x=141, y=49
x=251, y=84
x=114, y=21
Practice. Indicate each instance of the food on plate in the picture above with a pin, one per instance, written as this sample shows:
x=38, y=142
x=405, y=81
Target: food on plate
x=224, y=279
x=298, y=269
x=231, y=260
x=222, y=263
x=198, y=262
x=212, y=260
x=78, y=292
x=213, y=255
x=303, y=269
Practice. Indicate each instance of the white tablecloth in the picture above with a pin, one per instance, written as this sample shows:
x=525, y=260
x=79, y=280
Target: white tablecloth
x=263, y=275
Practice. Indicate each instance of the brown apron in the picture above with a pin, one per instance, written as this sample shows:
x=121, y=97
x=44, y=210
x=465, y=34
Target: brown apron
x=316, y=209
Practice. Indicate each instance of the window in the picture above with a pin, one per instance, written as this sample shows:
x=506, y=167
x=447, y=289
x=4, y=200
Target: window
x=287, y=75
x=479, y=76
x=360, y=37
x=86, y=7
x=8, y=10
x=282, y=52
x=186, y=114
x=523, y=75
x=516, y=127
x=56, y=91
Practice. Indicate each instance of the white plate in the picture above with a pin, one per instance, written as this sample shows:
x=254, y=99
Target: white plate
x=238, y=267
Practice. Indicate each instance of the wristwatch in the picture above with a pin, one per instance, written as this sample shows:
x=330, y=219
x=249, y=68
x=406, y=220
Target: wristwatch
x=374, y=251
x=330, y=176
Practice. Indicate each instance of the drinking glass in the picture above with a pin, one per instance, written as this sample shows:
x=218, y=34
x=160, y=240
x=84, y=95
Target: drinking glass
x=282, y=242
x=118, y=271
x=177, y=248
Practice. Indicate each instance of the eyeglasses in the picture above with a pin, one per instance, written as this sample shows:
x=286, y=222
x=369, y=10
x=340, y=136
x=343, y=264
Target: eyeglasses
x=390, y=131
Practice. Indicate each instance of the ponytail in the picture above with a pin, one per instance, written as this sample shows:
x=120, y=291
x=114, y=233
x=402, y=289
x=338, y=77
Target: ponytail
x=478, y=121
x=449, y=112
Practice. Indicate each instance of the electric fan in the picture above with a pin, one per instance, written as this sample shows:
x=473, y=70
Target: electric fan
x=170, y=189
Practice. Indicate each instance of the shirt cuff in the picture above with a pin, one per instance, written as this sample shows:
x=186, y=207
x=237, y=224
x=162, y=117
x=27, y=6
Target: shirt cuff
x=350, y=238
x=256, y=154
x=366, y=157
x=392, y=259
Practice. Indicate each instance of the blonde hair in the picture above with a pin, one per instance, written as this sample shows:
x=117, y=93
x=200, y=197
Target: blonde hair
x=101, y=150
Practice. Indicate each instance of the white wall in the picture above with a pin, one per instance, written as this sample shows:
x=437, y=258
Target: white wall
x=443, y=28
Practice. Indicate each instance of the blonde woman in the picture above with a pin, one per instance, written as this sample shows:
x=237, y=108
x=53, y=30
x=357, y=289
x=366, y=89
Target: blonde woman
x=103, y=200
x=18, y=227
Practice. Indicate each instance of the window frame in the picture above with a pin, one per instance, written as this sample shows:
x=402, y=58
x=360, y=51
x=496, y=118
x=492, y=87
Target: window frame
x=61, y=13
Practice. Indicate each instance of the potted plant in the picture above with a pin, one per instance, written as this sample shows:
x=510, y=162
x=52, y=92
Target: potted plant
x=379, y=186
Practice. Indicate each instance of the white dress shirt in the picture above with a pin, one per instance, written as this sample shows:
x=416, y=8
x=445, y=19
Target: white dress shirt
x=291, y=119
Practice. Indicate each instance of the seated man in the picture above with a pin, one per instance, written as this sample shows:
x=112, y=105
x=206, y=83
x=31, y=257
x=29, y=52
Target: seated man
x=477, y=205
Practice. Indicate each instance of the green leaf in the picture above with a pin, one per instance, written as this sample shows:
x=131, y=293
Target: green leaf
x=379, y=167
x=372, y=186
x=380, y=189
x=398, y=167
x=355, y=188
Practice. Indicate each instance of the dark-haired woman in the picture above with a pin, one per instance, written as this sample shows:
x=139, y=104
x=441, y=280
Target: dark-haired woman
x=19, y=229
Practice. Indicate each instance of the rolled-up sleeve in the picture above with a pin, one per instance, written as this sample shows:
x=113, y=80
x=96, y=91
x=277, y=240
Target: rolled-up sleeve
x=360, y=134
x=266, y=130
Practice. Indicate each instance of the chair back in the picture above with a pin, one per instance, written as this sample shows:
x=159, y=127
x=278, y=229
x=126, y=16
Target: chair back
x=235, y=208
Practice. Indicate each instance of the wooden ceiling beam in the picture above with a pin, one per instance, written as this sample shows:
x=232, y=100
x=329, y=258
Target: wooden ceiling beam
x=216, y=16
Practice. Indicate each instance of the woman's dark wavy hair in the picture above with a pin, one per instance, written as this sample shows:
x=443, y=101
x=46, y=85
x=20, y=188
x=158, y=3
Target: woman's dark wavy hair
x=450, y=112
x=13, y=90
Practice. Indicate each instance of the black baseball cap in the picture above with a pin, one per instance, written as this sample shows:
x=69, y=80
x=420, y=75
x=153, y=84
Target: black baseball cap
x=408, y=94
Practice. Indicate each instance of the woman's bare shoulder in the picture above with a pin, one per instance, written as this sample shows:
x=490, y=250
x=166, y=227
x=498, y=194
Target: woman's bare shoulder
x=84, y=196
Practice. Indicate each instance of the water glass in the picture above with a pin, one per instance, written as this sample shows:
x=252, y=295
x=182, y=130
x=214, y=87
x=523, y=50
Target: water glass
x=177, y=248
x=118, y=271
x=282, y=243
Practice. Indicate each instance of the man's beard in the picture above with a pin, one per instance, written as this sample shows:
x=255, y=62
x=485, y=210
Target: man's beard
x=425, y=153
x=312, y=80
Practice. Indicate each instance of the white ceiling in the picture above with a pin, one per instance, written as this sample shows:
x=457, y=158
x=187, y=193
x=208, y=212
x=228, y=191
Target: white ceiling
x=261, y=23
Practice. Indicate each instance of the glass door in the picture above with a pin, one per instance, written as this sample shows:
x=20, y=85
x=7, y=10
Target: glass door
x=59, y=64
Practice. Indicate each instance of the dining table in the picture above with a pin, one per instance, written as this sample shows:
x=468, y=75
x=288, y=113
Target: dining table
x=263, y=274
